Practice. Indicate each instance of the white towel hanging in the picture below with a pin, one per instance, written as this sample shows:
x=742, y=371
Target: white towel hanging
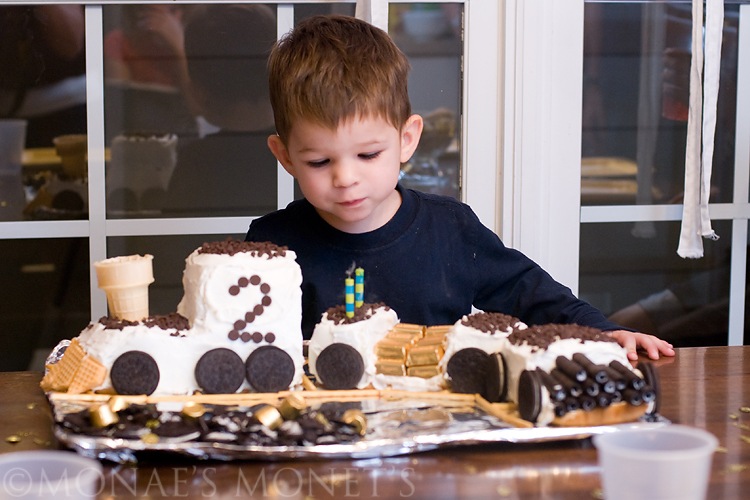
x=704, y=91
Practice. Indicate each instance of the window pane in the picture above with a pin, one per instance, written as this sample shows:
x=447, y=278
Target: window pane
x=636, y=82
x=644, y=284
x=430, y=35
x=187, y=112
x=42, y=88
x=44, y=298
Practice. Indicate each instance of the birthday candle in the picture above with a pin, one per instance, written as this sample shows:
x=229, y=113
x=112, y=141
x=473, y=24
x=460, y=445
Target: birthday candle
x=349, y=297
x=359, y=287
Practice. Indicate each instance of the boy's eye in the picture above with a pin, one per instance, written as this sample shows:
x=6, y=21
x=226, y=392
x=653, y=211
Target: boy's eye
x=318, y=163
x=369, y=156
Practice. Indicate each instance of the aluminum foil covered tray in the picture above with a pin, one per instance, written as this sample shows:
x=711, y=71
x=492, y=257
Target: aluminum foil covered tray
x=295, y=424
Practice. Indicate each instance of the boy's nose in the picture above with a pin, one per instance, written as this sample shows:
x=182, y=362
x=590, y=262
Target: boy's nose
x=344, y=174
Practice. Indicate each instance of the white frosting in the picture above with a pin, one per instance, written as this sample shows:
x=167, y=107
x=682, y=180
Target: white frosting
x=461, y=336
x=361, y=335
x=525, y=357
x=212, y=312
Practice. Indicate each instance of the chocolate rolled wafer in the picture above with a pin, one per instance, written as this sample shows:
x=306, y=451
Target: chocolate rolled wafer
x=587, y=403
x=572, y=388
x=617, y=378
x=651, y=377
x=597, y=372
x=571, y=368
x=648, y=394
x=572, y=404
x=590, y=387
x=604, y=399
x=609, y=386
x=633, y=397
x=555, y=388
x=632, y=380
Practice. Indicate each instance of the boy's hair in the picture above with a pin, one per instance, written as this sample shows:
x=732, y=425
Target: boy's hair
x=329, y=69
x=227, y=49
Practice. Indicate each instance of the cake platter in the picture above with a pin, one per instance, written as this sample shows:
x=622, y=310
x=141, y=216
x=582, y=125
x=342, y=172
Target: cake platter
x=353, y=424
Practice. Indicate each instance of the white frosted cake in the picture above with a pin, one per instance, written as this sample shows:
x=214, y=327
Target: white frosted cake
x=236, y=328
x=487, y=331
x=341, y=340
x=553, y=370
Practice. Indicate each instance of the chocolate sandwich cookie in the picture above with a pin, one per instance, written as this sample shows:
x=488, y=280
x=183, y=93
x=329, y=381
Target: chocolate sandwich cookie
x=134, y=372
x=496, y=389
x=530, y=395
x=652, y=387
x=220, y=371
x=269, y=369
x=340, y=366
x=468, y=371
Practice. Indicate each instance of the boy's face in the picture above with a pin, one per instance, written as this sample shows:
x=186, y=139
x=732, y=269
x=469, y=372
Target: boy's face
x=349, y=174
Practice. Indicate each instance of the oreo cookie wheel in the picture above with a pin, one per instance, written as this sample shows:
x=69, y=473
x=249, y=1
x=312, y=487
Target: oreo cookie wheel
x=269, y=369
x=339, y=367
x=220, y=371
x=473, y=371
x=134, y=372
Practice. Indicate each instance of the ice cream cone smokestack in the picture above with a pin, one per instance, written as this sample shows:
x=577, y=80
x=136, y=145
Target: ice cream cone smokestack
x=125, y=280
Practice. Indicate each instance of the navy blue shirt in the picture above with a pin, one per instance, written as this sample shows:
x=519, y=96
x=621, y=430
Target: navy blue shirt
x=431, y=263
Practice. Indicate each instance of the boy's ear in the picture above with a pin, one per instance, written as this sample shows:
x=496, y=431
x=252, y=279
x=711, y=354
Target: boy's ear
x=410, y=134
x=277, y=147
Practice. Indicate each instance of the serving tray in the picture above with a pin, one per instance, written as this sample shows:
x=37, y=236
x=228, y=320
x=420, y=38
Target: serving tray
x=397, y=423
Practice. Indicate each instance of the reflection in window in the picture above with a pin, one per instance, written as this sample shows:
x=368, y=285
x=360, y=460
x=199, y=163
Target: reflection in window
x=430, y=35
x=187, y=111
x=635, y=92
x=42, y=98
x=44, y=298
x=643, y=284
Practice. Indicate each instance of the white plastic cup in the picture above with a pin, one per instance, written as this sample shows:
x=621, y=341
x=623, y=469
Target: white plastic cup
x=48, y=474
x=12, y=143
x=671, y=462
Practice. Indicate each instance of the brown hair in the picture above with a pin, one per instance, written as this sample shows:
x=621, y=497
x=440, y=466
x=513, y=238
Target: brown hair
x=332, y=68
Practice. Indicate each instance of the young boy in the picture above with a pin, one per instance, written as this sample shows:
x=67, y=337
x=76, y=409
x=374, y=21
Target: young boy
x=344, y=123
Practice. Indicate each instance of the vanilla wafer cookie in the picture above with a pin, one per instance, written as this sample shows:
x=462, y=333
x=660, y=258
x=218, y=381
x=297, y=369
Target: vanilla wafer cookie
x=91, y=373
x=61, y=374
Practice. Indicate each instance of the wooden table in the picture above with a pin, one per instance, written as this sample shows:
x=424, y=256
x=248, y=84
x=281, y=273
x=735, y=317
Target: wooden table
x=703, y=387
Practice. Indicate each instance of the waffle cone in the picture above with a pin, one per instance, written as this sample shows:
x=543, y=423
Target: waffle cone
x=125, y=280
x=128, y=303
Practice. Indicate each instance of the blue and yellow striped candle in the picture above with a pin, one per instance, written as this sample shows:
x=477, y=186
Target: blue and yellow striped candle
x=359, y=287
x=349, y=297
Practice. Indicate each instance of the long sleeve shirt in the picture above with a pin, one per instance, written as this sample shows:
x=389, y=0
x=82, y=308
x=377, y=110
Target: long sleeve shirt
x=431, y=263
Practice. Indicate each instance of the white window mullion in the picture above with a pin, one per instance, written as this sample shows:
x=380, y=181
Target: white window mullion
x=544, y=132
x=481, y=111
x=96, y=144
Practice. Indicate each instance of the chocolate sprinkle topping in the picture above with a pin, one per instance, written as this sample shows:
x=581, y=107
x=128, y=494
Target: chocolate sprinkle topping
x=337, y=314
x=490, y=322
x=231, y=246
x=541, y=336
x=165, y=322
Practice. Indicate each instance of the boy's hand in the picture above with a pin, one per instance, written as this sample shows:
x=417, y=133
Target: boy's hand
x=632, y=341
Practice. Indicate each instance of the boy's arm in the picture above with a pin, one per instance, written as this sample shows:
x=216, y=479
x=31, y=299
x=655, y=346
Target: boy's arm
x=633, y=341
